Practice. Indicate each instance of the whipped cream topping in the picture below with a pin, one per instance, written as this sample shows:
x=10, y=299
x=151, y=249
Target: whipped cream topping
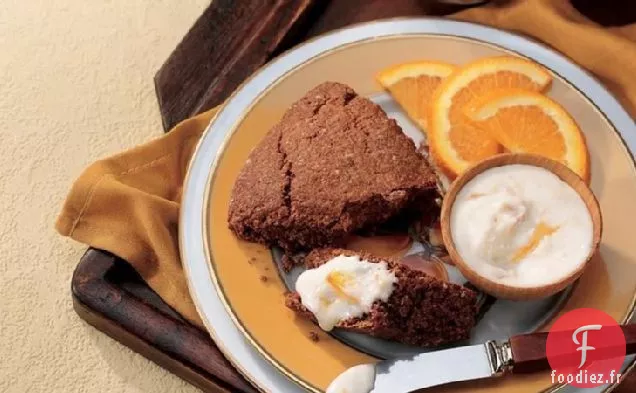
x=521, y=225
x=344, y=287
x=357, y=379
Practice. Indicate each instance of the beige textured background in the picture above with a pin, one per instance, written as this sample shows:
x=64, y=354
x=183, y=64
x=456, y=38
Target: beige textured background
x=75, y=85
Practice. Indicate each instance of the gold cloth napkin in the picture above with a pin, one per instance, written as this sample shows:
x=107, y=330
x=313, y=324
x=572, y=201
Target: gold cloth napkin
x=128, y=204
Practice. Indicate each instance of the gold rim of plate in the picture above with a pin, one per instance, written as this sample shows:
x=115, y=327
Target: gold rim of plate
x=213, y=171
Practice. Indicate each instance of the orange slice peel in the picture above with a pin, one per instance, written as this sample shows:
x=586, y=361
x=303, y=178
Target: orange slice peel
x=413, y=84
x=456, y=142
x=524, y=121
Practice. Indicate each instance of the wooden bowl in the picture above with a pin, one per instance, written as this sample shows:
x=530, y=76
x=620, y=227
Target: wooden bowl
x=504, y=291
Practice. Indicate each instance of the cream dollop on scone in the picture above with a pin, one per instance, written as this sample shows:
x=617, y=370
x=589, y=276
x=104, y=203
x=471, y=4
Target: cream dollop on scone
x=382, y=297
x=344, y=287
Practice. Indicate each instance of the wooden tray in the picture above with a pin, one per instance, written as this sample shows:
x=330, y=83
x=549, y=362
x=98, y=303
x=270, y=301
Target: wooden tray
x=202, y=71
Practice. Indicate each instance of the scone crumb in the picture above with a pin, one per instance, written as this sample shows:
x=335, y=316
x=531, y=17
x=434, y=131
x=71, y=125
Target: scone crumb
x=288, y=263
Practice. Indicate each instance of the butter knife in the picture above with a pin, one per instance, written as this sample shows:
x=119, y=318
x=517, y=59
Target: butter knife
x=520, y=354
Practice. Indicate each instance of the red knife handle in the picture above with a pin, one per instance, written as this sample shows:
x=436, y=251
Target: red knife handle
x=528, y=350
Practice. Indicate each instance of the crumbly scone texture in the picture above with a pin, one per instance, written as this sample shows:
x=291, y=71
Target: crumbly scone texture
x=335, y=163
x=422, y=310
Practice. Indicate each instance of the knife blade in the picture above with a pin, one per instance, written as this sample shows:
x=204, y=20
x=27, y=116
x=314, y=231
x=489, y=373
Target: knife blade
x=433, y=368
x=524, y=353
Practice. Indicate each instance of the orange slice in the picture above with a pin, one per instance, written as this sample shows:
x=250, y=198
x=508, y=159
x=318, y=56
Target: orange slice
x=455, y=142
x=412, y=85
x=523, y=121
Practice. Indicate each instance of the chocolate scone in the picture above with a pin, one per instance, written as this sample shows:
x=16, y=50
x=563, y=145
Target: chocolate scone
x=334, y=164
x=421, y=310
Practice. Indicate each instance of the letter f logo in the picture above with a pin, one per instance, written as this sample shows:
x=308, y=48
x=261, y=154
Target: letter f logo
x=583, y=345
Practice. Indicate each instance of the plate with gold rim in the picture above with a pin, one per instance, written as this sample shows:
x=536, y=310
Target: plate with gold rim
x=238, y=287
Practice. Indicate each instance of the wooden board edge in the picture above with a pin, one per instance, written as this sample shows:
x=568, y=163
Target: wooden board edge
x=191, y=80
x=171, y=343
x=148, y=351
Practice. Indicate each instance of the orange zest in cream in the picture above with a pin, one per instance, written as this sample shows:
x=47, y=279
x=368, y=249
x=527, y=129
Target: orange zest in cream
x=338, y=281
x=541, y=231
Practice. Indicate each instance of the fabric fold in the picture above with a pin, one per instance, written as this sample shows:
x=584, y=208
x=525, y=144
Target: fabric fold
x=128, y=205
